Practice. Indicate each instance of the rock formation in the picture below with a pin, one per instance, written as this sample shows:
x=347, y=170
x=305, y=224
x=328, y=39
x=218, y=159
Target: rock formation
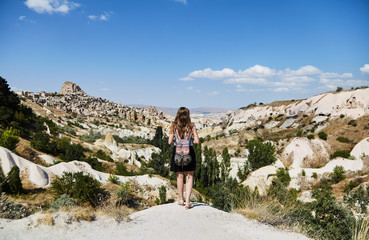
x=69, y=88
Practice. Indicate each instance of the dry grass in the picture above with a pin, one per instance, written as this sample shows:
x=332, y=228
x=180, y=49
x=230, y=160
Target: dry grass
x=83, y=213
x=361, y=230
x=47, y=219
x=265, y=212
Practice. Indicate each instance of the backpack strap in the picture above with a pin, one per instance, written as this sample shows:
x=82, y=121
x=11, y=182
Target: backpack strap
x=189, y=132
x=177, y=134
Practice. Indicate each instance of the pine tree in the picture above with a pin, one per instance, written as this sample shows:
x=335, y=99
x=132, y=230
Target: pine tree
x=225, y=165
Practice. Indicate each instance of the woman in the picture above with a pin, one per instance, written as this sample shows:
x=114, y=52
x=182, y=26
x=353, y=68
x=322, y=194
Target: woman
x=183, y=126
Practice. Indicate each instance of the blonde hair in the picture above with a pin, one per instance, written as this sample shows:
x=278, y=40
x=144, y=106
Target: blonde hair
x=182, y=122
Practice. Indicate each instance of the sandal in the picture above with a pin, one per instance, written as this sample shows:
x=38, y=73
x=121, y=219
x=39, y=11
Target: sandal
x=187, y=207
x=181, y=203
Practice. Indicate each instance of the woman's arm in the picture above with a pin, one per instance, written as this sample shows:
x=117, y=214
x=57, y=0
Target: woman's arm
x=195, y=136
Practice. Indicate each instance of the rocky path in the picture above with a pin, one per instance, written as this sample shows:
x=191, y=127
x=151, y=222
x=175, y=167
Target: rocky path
x=168, y=221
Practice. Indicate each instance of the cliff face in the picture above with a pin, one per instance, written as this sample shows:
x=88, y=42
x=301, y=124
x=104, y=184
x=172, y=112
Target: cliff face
x=69, y=88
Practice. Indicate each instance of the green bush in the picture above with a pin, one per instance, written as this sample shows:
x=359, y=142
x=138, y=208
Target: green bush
x=40, y=141
x=163, y=194
x=331, y=220
x=124, y=194
x=279, y=187
x=340, y=153
x=343, y=139
x=91, y=137
x=342, y=116
x=13, y=183
x=229, y=195
x=338, y=174
x=9, y=138
x=81, y=187
x=102, y=155
x=260, y=154
x=157, y=162
x=339, y=89
x=131, y=139
x=121, y=169
x=114, y=179
x=94, y=163
x=322, y=135
x=314, y=175
x=310, y=136
x=351, y=185
x=63, y=201
x=352, y=123
x=299, y=133
x=358, y=200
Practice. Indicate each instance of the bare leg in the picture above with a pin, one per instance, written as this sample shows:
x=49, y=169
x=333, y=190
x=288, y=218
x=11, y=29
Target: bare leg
x=180, y=177
x=189, y=183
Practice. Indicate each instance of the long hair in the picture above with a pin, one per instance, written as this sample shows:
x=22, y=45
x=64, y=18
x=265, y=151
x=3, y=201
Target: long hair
x=182, y=121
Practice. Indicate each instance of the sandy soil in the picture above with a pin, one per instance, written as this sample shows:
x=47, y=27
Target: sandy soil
x=168, y=221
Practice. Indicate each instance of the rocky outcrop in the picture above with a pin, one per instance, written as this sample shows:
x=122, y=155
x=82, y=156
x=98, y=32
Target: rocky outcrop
x=69, y=88
x=72, y=99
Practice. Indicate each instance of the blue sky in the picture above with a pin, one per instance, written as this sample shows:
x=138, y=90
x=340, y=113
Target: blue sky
x=194, y=53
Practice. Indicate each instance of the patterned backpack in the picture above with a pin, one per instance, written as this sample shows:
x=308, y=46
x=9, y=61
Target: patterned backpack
x=182, y=156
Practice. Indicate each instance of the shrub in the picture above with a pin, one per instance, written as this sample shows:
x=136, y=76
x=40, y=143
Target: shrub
x=352, y=123
x=114, y=179
x=157, y=162
x=343, y=139
x=314, y=175
x=63, y=201
x=13, y=183
x=260, y=154
x=91, y=137
x=299, y=133
x=230, y=195
x=40, y=141
x=94, y=163
x=331, y=219
x=9, y=138
x=310, y=136
x=121, y=169
x=339, y=89
x=340, y=153
x=163, y=194
x=102, y=155
x=351, y=185
x=322, y=135
x=11, y=210
x=124, y=194
x=82, y=187
x=342, y=116
x=73, y=152
x=278, y=188
x=360, y=198
x=338, y=174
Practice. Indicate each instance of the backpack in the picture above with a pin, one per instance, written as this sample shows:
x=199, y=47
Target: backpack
x=182, y=155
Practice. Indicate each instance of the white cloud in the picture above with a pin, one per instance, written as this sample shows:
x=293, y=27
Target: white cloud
x=335, y=75
x=255, y=81
x=190, y=88
x=51, y=6
x=282, y=80
x=182, y=1
x=305, y=70
x=213, y=93
x=365, y=68
x=282, y=89
x=257, y=71
x=105, y=89
x=21, y=18
x=102, y=17
x=210, y=74
x=92, y=17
